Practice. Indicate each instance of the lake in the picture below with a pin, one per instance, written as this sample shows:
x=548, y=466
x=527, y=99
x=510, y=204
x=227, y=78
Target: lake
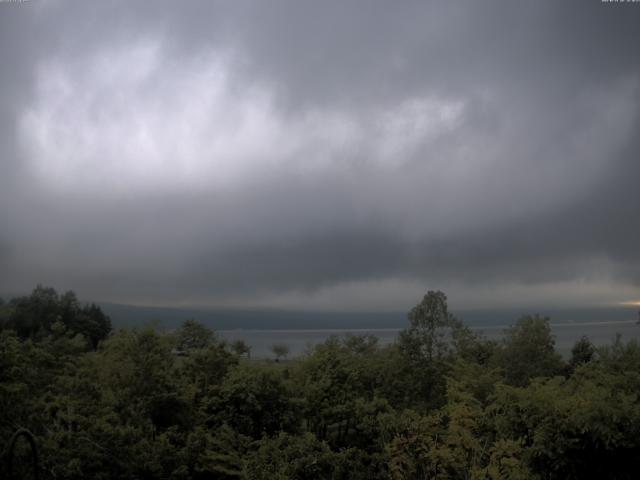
x=299, y=340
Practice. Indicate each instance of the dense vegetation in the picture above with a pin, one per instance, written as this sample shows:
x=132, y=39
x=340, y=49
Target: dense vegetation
x=440, y=403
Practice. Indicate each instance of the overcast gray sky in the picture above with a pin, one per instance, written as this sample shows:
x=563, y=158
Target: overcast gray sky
x=321, y=155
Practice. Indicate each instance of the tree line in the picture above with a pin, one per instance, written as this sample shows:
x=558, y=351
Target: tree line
x=440, y=403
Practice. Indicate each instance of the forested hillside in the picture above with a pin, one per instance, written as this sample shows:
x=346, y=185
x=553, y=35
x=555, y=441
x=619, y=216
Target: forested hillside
x=440, y=403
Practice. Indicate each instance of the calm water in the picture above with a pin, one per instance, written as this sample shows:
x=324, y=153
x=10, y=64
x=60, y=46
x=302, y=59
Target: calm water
x=299, y=341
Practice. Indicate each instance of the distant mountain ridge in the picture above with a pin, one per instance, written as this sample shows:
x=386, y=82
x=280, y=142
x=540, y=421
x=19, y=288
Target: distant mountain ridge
x=123, y=315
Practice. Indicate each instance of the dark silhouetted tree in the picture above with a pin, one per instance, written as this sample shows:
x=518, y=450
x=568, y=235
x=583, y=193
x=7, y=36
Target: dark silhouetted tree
x=241, y=348
x=193, y=335
x=528, y=351
x=280, y=350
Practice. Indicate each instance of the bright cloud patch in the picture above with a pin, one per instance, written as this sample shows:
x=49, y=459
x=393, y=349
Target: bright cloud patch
x=129, y=118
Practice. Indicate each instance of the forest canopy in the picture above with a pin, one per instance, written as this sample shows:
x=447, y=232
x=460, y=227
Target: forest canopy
x=441, y=402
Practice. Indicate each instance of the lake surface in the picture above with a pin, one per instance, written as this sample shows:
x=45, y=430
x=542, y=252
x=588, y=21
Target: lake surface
x=300, y=340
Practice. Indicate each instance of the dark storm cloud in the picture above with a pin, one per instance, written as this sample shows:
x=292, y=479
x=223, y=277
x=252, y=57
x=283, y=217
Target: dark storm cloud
x=271, y=152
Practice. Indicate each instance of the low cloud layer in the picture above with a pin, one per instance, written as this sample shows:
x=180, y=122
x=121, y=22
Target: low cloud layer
x=324, y=156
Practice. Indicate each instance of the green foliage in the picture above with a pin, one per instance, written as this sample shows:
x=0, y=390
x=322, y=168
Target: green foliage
x=426, y=335
x=587, y=426
x=207, y=367
x=254, y=401
x=434, y=337
x=582, y=352
x=6, y=312
x=620, y=357
x=440, y=403
x=287, y=457
x=240, y=348
x=35, y=316
x=453, y=442
x=528, y=351
x=193, y=335
x=25, y=369
x=340, y=389
x=140, y=372
x=280, y=350
x=361, y=344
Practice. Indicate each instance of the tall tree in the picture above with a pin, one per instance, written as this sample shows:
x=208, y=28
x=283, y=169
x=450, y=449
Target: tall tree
x=193, y=335
x=528, y=351
x=240, y=348
x=280, y=350
x=35, y=315
x=426, y=334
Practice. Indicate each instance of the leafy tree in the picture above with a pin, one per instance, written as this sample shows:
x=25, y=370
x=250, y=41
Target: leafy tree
x=254, y=401
x=290, y=457
x=620, y=357
x=34, y=316
x=241, y=348
x=586, y=426
x=361, y=344
x=22, y=374
x=506, y=462
x=85, y=436
x=207, y=367
x=138, y=369
x=280, y=350
x=6, y=313
x=528, y=351
x=426, y=335
x=221, y=454
x=582, y=352
x=433, y=405
x=193, y=335
x=331, y=384
x=428, y=447
x=426, y=345
x=340, y=386
x=93, y=324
